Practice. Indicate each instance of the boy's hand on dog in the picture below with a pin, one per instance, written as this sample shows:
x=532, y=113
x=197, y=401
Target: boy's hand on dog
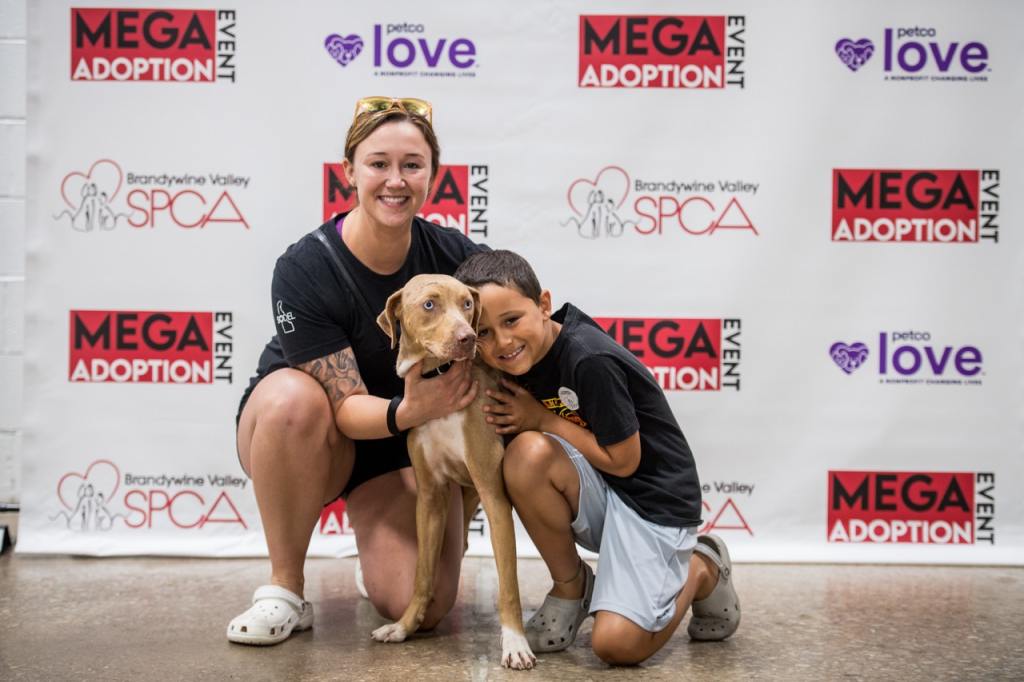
x=514, y=410
x=436, y=397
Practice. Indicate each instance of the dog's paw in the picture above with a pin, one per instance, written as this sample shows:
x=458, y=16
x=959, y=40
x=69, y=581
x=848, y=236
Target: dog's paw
x=515, y=651
x=393, y=632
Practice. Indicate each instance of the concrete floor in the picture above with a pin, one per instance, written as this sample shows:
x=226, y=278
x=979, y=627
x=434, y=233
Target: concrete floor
x=164, y=619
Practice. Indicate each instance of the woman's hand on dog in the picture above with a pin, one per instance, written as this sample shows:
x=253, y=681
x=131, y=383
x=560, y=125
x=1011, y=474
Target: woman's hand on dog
x=514, y=410
x=436, y=397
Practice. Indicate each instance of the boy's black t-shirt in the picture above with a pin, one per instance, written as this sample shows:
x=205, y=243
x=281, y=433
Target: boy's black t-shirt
x=589, y=379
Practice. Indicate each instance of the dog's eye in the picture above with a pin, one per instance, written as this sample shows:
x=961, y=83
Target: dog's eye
x=469, y=303
x=428, y=305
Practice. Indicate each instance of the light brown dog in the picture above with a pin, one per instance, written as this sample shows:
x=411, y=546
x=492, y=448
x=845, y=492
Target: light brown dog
x=433, y=318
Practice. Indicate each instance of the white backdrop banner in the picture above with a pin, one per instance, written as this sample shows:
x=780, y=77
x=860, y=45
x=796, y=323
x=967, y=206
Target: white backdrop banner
x=801, y=216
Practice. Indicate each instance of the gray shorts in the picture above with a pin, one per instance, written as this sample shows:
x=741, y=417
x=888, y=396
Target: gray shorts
x=641, y=566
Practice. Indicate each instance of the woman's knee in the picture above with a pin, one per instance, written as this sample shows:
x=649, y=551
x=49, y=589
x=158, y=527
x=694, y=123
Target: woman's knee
x=445, y=595
x=528, y=459
x=390, y=600
x=294, y=405
x=383, y=515
x=392, y=597
x=618, y=641
x=288, y=420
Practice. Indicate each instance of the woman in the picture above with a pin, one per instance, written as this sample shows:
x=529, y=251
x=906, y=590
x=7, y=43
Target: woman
x=324, y=415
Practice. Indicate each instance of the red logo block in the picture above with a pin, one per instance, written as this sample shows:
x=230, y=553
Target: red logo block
x=911, y=507
x=128, y=44
x=334, y=520
x=682, y=354
x=128, y=346
x=914, y=205
x=631, y=51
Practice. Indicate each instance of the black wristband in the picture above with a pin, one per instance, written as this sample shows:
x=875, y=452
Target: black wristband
x=392, y=413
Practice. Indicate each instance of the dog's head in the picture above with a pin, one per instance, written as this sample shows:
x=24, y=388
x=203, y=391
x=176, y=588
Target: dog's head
x=432, y=316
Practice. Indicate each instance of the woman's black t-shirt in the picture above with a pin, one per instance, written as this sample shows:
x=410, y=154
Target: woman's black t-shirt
x=317, y=314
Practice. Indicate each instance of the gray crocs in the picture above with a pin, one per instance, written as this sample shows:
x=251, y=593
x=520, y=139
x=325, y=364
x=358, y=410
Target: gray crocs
x=555, y=624
x=717, y=616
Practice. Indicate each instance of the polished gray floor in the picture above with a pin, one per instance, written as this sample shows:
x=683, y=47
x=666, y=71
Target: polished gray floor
x=164, y=619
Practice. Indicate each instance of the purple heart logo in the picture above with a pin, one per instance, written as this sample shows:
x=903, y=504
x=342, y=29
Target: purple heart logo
x=855, y=54
x=848, y=357
x=344, y=50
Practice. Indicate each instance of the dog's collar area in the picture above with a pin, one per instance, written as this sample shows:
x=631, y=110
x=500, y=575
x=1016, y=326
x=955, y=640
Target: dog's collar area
x=439, y=370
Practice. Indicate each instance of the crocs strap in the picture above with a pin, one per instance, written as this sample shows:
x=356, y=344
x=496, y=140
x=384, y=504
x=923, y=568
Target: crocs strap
x=277, y=592
x=710, y=551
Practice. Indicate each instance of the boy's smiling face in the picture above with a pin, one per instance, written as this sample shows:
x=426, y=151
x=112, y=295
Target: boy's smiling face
x=515, y=332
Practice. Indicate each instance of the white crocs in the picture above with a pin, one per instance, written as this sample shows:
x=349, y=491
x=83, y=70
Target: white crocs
x=717, y=616
x=275, y=613
x=555, y=624
x=360, y=585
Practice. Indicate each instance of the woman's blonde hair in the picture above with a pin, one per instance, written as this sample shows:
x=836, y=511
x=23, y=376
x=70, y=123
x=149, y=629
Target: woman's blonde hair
x=367, y=122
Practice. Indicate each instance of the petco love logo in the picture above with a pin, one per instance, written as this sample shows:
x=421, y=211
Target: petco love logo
x=936, y=206
x=631, y=51
x=911, y=507
x=404, y=49
x=120, y=44
x=185, y=200
x=611, y=204
x=459, y=198
x=123, y=346
x=912, y=357
x=915, y=53
x=92, y=499
x=682, y=354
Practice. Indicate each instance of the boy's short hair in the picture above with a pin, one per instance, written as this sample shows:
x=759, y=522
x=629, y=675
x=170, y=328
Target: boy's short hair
x=501, y=267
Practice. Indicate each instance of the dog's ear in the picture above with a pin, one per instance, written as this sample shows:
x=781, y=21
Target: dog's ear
x=476, y=309
x=389, y=319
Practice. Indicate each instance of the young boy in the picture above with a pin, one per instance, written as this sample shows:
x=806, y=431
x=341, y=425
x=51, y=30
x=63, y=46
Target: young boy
x=598, y=461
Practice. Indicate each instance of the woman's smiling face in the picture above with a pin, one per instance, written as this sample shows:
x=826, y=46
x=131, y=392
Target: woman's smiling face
x=391, y=173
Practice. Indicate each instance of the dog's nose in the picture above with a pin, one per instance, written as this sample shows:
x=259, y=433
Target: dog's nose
x=466, y=339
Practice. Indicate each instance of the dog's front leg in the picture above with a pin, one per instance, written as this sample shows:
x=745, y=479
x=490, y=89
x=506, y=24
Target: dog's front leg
x=470, y=502
x=431, y=515
x=515, y=651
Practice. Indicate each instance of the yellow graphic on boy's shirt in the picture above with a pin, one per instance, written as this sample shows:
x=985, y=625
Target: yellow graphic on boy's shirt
x=558, y=407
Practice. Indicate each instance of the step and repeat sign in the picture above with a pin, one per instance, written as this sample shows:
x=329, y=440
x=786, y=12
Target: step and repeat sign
x=804, y=218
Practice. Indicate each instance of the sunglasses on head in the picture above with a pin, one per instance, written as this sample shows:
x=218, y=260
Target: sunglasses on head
x=410, y=105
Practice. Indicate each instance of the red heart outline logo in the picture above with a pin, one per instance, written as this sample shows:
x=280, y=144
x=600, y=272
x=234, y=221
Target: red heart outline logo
x=106, y=172
x=612, y=180
x=107, y=480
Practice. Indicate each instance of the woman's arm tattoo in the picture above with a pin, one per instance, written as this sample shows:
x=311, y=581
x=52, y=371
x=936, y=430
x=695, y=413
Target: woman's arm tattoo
x=338, y=373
